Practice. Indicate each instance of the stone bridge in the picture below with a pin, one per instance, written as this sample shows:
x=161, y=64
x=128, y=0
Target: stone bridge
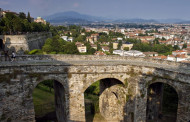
x=124, y=83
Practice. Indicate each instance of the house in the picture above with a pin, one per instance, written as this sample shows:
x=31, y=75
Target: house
x=179, y=52
x=167, y=42
x=94, y=46
x=177, y=58
x=99, y=53
x=162, y=57
x=64, y=37
x=70, y=39
x=81, y=47
x=95, y=37
x=150, y=54
x=115, y=45
x=127, y=44
x=40, y=20
x=119, y=38
x=105, y=48
x=90, y=39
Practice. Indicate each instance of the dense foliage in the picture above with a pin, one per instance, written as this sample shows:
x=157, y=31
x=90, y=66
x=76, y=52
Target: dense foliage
x=13, y=24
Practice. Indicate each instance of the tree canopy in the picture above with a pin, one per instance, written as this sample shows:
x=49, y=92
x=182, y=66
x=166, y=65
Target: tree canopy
x=13, y=24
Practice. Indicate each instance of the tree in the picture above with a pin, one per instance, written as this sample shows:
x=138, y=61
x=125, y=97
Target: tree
x=184, y=45
x=80, y=38
x=111, y=47
x=71, y=48
x=9, y=22
x=48, y=83
x=28, y=17
x=126, y=48
x=176, y=47
x=156, y=41
x=98, y=47
x=22, y=15
x=119, y=45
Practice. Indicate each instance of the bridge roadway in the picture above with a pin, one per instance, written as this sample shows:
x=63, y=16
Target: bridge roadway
x=168, y=67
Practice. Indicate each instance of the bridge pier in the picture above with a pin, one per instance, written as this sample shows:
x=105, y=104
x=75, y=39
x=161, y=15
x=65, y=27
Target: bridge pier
x=112, y=99
x=60, y=102
x=154, y=101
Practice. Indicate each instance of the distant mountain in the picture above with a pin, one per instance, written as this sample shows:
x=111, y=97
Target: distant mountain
x=72, y=17
x=171, y=21
x=183, y=22
x=136, y=21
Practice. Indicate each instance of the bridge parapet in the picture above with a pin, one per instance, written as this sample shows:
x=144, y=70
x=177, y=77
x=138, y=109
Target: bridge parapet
x=63, y=57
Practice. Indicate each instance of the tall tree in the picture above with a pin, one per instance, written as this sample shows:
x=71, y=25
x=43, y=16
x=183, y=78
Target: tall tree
x=22, y=15
x=28, y=17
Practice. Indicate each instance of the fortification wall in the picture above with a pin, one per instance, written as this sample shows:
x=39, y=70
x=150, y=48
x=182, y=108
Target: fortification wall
x=20, y=43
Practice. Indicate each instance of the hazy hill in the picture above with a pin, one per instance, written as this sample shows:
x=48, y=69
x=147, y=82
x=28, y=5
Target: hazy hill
x=71, y=17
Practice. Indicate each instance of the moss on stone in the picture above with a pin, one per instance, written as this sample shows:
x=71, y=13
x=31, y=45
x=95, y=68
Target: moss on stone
x=126, y=82
x=85, y=75
x=166, y=76
x=69, y=75
x=66, y=69
x=37, y=75
x=5, y=78
x=149, y=73
x=3, y=117
x=154, y=78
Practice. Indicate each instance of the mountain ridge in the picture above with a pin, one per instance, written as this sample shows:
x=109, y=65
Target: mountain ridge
x=73, y=17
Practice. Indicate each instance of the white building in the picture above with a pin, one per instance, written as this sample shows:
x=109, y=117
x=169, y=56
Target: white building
x=118, y=52
x=64, y=38
x=129, y=53
x=134, y=53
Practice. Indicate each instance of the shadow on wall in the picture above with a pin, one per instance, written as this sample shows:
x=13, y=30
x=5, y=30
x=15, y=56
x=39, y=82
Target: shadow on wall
x=27, y=78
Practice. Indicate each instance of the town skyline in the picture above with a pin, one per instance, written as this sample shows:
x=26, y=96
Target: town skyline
x=146, y=9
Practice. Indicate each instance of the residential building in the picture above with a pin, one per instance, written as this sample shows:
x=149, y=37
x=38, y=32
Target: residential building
x=99, y=53
x=40, y=20
x=150, y=54
x=129, y=45
x=105, y=48
x=134, y=53
x=81, y=47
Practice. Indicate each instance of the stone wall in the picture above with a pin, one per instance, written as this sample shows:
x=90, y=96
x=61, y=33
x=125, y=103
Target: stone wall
x=25, y=42
x=65, y=57
x=17, y=83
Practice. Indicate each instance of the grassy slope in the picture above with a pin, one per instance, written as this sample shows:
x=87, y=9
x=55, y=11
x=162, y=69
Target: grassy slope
x=43, y=100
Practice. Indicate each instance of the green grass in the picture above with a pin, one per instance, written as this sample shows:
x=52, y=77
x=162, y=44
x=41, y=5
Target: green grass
x=43, y=100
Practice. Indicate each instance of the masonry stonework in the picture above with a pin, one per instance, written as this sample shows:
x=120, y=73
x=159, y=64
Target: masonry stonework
x=125, y=82
x=20, y=43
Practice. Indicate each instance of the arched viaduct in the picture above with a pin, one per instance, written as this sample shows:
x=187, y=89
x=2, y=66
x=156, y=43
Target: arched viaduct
x=77, y=73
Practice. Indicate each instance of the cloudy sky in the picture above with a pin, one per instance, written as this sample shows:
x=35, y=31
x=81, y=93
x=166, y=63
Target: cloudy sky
x=146, y=9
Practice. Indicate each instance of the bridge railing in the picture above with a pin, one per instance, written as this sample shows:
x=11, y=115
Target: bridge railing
x=66, y=57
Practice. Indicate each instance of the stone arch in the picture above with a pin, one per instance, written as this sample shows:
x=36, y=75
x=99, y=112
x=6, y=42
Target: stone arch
x=99, y=77
x=165, y=81
x=1, y=44
x=113, y=88
x=155, y=97
x=60, y=96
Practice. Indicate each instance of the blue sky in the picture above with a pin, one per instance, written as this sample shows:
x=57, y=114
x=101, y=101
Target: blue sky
x=146, y=9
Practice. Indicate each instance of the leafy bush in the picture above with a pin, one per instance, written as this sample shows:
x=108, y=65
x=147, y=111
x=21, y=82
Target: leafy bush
x=35, y=51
